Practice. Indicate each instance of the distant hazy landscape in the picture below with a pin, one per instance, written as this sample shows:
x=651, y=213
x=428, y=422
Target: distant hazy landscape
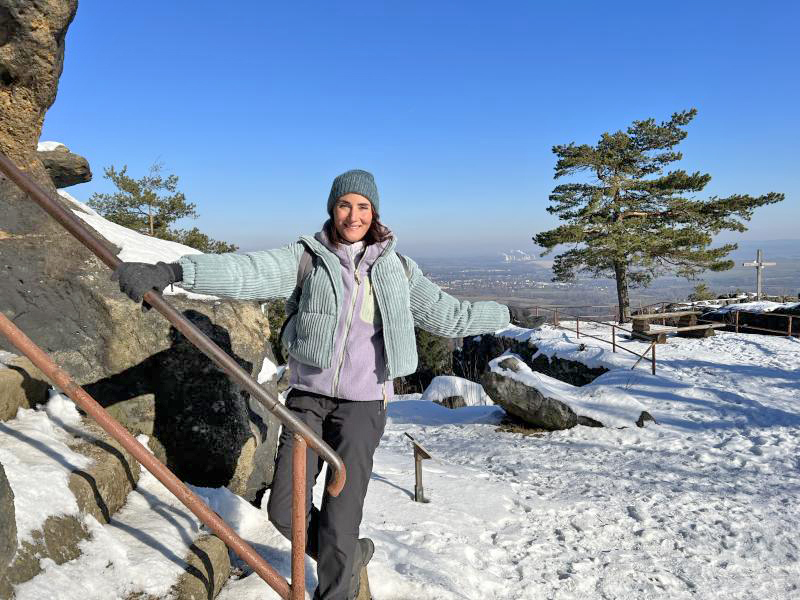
x=528, y=282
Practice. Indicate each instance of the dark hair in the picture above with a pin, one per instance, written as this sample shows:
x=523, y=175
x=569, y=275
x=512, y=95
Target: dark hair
x=377, y=232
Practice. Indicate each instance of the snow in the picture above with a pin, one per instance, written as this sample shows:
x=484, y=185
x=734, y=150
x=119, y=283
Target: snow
x=142, y=550
x=84, y=207
x=445, y=386
x=37, y=460
x=763, y=306
x=136, y=247
x=268, y=371
x=701, y=505
x=48, y=146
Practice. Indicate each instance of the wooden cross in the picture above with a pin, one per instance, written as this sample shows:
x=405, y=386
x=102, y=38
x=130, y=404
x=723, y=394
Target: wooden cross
x=759, y=264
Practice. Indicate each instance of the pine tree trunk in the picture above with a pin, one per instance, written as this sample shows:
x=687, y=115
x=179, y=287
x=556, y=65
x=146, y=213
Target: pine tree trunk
x=621, y=275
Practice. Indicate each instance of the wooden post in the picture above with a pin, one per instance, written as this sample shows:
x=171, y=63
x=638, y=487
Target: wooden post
x=578, y=326
x=536, y=313
x=790, y=326
x=613, y=338
x=737, y=321
x=654, y=358
x=420, y=454
x=555, y=317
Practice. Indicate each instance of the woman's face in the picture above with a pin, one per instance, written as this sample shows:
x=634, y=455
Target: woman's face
x=352, y=216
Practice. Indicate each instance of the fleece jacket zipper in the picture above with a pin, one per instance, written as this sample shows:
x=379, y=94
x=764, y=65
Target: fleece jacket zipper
x=353, y=300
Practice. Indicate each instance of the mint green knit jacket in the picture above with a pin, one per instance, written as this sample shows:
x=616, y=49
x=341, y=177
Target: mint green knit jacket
x=403, y=300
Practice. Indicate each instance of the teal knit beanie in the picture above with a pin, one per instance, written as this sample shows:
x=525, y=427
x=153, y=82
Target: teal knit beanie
x=355, y=181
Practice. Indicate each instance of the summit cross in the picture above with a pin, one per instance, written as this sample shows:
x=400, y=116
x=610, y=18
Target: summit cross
x=759, y=264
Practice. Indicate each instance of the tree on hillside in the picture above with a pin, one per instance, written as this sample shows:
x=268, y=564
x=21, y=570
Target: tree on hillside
x=701, y=292
x=150, y=205
x=629, y=220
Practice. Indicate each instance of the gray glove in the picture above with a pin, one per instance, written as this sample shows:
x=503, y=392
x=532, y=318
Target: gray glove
x=136, y=279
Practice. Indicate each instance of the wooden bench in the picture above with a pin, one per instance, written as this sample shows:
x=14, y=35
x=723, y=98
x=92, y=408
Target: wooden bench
x=659, y=335
x=683, y=318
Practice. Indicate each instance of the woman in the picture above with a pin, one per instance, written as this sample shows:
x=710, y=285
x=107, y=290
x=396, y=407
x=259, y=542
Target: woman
x=351, y=334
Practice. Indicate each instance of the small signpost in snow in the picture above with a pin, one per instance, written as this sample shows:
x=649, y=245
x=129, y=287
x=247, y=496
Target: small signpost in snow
x=759, y=264
x=419, y=455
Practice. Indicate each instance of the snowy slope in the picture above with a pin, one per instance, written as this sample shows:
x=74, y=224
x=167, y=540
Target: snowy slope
x=702, y=505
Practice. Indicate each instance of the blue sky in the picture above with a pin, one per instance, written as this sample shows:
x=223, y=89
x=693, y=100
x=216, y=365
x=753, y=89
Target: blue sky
x=454, y=106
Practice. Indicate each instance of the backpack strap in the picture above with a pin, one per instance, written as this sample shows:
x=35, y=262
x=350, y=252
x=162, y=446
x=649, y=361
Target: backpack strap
x=293, y=303
x=304, y=267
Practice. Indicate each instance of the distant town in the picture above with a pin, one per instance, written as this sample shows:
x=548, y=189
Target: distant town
x=525, y=279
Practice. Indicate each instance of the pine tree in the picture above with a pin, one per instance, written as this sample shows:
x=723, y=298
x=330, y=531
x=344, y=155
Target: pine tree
x=701, y=292
x=139, y=203
x=630, y=221
x=150, y=205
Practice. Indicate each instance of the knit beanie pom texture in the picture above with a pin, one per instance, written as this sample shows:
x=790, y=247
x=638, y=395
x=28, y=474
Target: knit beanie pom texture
x=355, y=181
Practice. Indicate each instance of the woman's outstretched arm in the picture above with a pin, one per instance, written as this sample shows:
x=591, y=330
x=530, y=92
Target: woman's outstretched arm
x=248, y=276
x=438, y=312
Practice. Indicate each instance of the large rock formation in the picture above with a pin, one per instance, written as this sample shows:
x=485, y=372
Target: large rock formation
x=60, y=295
x=476, y=352
x=65, y=168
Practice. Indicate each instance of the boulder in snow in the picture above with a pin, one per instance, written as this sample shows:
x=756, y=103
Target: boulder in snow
x=550, y=403
x=528, y=404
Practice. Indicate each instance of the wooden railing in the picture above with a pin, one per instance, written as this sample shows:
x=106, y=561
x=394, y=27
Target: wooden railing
x=788, y=331
x=559, y=312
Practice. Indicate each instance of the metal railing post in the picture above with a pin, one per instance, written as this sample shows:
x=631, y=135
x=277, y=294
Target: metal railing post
x=790, y=326
x=613, y=338
x=737, y=320
x=299, y=491
x=578, y=326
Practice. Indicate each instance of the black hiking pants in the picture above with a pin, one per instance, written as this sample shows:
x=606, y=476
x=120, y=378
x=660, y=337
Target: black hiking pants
x=353, y=430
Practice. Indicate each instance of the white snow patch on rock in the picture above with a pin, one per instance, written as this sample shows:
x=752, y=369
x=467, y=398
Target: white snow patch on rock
x=48, y=146
x=445, y=386
x=268, y=371
x=38, y=463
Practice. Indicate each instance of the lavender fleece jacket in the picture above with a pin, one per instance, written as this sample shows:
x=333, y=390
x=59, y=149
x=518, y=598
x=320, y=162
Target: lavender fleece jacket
x=347, y=339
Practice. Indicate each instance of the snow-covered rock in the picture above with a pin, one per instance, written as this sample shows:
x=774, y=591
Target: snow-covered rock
x=448, y=386
x=546, y=395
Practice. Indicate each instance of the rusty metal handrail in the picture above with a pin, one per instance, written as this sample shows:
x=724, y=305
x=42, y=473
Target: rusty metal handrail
x=189, y=499
x=153, y=297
